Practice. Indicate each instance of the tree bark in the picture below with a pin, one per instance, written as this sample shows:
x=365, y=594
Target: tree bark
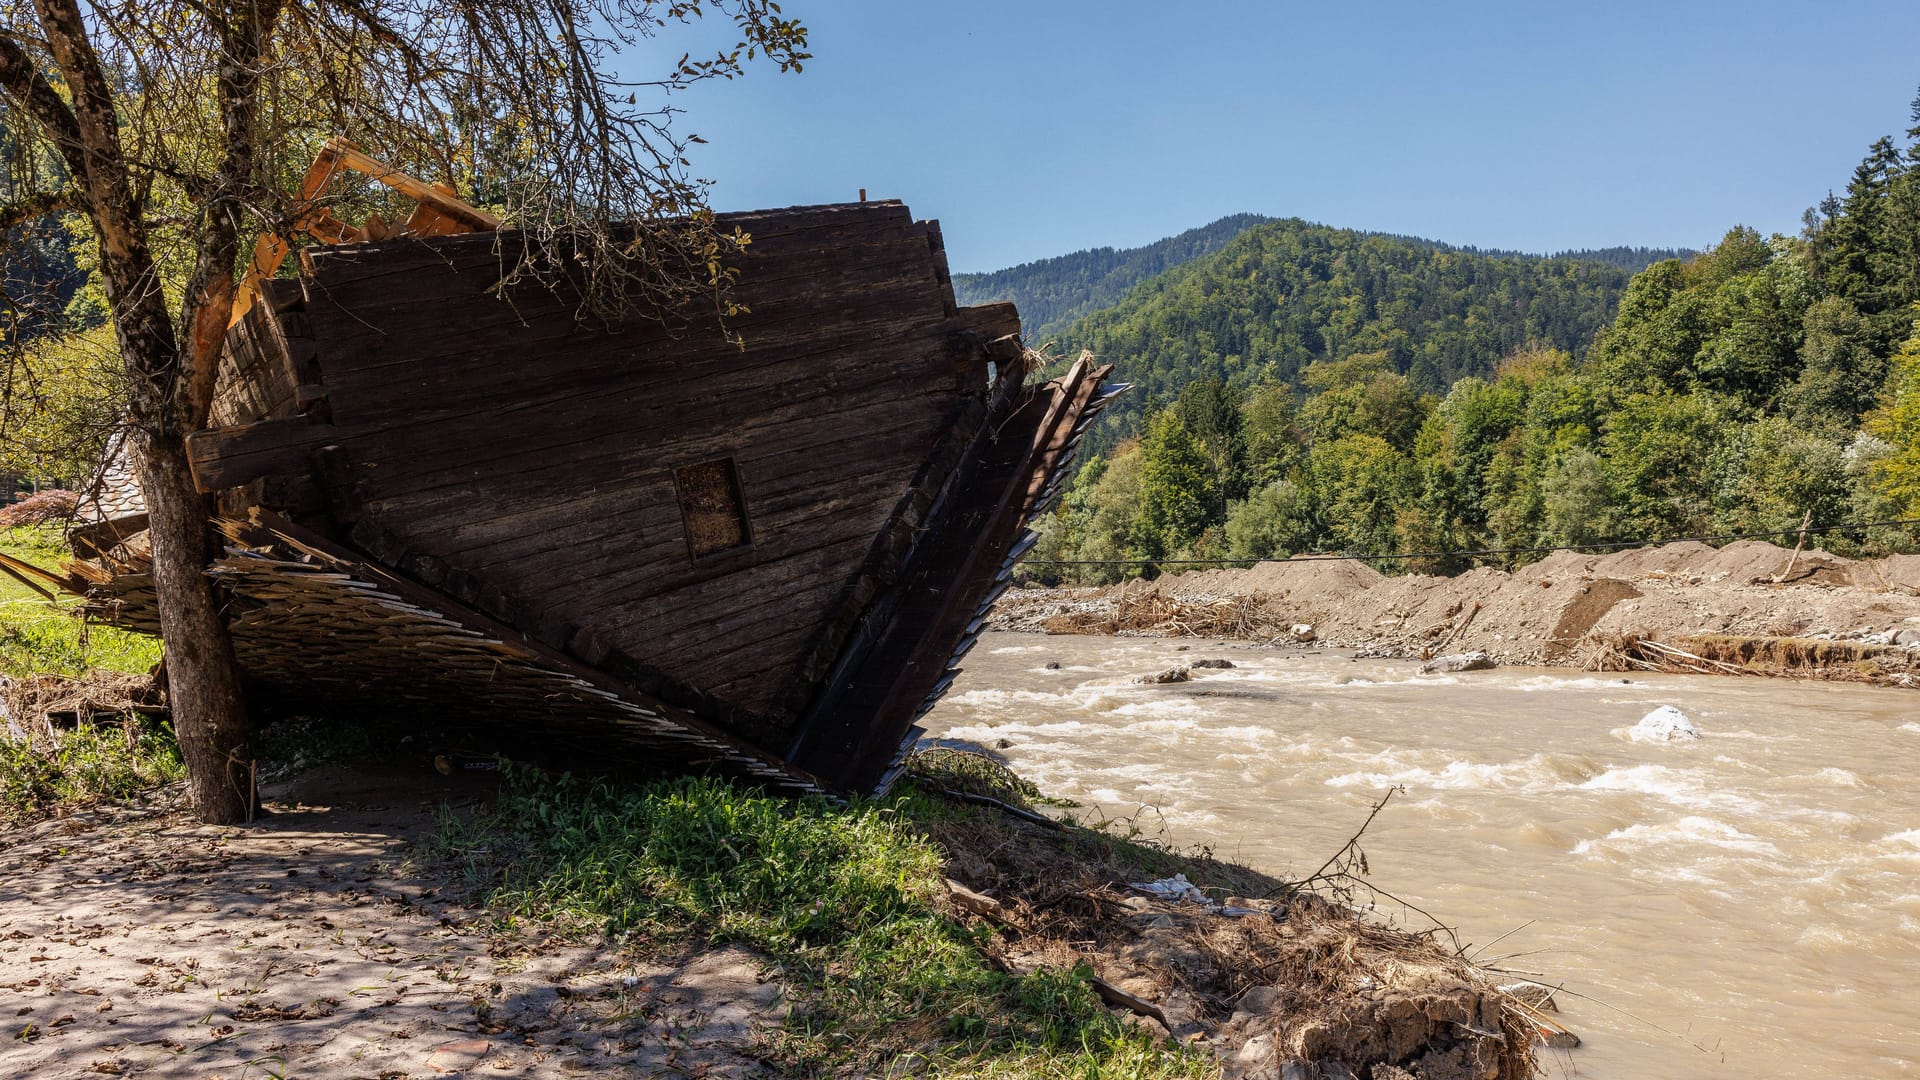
x=203, y=683
x=203, y=687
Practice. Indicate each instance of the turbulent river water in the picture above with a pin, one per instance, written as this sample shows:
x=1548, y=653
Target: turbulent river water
x=1746, y=904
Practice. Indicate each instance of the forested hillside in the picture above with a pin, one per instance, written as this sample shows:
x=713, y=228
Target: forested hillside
x=1312, y=390
x=1631, y=259
x=1053, y=292
x=1288, y=296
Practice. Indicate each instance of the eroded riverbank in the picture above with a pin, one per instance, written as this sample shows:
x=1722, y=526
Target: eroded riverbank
x=1748, y=606
x=1746, y=897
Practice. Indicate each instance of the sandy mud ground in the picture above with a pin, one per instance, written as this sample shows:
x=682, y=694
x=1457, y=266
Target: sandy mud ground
x=141, y=943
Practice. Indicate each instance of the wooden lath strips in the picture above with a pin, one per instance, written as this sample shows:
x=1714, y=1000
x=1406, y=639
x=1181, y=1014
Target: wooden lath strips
x=440, y=211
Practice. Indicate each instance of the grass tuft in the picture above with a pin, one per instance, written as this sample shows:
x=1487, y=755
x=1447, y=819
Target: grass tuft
x=85, y=765
x=44, y=770
x=39, y=637
x=845, y=899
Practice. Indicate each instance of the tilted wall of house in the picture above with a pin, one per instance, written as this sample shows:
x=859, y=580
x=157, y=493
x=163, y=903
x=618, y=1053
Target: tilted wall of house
x=695, y=502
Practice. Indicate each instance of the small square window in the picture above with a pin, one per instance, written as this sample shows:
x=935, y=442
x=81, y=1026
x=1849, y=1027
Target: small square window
x=712, y=507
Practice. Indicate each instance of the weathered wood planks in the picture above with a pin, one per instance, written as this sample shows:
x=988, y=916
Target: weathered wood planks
x=488, y=445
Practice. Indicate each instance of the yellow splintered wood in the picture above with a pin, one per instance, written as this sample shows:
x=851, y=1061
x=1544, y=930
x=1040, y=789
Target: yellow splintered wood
x=440, y=212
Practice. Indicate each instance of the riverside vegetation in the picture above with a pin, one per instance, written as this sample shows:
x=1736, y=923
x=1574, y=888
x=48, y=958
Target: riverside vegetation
x=43, y=647
x=1312, y=389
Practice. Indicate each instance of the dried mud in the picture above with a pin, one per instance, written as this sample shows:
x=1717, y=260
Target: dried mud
x=1566, y=609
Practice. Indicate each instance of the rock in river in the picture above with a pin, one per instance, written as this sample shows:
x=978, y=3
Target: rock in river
x=1466, y=661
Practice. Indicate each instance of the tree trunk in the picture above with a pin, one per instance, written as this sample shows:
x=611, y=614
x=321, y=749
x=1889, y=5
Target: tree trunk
x=203, y=688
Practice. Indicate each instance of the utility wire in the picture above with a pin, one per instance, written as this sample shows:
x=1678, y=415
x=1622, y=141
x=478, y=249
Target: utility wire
x=1611, y=545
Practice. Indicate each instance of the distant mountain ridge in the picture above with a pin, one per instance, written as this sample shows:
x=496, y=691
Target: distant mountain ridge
x=1631, y=259
x=1052, y=293
x=1286, y=295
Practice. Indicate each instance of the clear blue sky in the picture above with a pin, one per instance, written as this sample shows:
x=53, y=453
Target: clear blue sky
x=1033, y=129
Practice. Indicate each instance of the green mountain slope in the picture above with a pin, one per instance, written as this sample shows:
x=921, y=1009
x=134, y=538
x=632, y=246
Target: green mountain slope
x=1287, y=294
x=1053, y=292
x=1292, y=399
x=1632, y=259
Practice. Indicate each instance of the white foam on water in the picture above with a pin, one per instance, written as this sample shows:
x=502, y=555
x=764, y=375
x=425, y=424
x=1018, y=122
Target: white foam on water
x=1537, y=773
x=1009, y=650
x=1005, y=699
x=1534, y=683
x=1911, y=836
x=1824, y=938
x=984, y=732
x=1164, y=708
x=1166, y=728
x=1686, y=787
x=1239, y=734
x=1915, y=728
x=1687, y=830
x=1832, y=777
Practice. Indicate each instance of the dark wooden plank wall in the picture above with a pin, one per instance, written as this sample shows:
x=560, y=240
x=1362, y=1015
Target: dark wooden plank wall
x=256, y=379
x=536, y=453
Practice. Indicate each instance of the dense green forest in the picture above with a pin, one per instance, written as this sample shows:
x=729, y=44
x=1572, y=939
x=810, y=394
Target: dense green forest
x=1306, y=389
x=1052, y=293
x=1289, y=296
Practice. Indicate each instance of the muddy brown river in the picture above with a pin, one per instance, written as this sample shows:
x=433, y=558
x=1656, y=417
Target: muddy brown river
x=1742, y=904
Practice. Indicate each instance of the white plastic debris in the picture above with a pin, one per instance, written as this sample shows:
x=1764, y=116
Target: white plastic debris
x=1665, y=724
x=1176, y=887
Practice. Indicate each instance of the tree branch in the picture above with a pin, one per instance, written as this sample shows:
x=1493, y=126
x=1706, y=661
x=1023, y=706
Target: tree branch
x=33, y=207
x=101, y=170
x=22, y=80
x=210, y=290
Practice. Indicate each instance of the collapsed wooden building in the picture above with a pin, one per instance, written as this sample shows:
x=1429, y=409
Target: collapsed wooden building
x=759, y=547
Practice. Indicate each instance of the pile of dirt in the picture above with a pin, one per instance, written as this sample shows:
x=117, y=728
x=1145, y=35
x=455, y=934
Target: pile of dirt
x=1561, y=610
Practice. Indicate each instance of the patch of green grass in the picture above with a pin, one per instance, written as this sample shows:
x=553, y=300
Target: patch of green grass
x=41, y=637
x=844, y=898
x=60, y=769
x=85, y=765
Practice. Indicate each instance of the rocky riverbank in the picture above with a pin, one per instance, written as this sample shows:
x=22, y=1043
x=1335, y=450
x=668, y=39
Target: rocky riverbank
x=1749, y=606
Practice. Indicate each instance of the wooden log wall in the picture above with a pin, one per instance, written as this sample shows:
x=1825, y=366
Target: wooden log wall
x=256, y=379
x=330, y=630
x=511, y=448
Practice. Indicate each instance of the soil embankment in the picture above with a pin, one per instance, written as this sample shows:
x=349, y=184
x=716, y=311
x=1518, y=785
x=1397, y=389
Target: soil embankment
x=1747, y=607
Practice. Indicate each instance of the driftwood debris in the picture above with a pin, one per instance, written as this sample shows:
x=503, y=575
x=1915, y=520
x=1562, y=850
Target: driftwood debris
x=1781, y=657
